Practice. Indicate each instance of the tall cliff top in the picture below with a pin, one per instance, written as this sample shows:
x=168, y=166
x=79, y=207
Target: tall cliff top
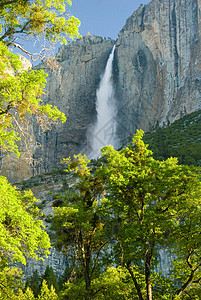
x=84, y=41
x=88, y=44
x=145, y=16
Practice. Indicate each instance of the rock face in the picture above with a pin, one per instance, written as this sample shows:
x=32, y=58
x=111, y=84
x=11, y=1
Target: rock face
x=17, y=169
x=156, y=76
x=71, y=85
x=157, y=65
x=81, y=65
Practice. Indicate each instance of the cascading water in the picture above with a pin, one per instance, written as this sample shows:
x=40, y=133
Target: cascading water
x=103, y=133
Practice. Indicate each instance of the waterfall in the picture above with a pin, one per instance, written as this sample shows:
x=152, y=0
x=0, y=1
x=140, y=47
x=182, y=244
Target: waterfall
x=103, y=133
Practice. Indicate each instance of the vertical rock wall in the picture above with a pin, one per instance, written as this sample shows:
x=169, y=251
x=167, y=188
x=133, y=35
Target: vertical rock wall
x=158, y=64
x=156, y=75
x=74, y=93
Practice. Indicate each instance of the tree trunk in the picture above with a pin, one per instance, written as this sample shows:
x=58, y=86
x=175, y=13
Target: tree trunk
x=87, y=271
x=135, y=282
x=148, y=257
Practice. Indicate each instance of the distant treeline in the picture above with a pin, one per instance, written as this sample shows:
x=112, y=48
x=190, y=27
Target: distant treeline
x=182, y=139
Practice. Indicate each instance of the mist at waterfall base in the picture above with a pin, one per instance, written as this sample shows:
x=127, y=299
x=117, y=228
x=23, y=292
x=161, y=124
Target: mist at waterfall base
x=104, y=131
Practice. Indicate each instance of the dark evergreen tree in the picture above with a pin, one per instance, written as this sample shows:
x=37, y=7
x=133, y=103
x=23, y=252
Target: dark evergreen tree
x=34, y=283
x=65, y=277
x=51, y=278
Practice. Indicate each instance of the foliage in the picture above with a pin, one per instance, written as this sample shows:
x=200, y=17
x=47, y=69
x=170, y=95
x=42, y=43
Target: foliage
x=114, y=283
x=79, y=223
x=20, y=231
x=20, y=90
x=45, y=294
x=153, y=202
x=9, y=281
x=20, y=94
x=123, y=210
x=34, y=283
x=65, y=276
x=150, y=205
x=27, y=295
x=181, y=139
x=35, y=18
x=50, y=278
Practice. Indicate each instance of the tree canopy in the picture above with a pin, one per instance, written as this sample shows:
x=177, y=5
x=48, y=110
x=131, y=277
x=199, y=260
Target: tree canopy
x=47, y=18
x=21, y=90
x=20, y=95
x=141, y=206
x=21, y=231
x=79, y=223
x=22, y=234
x=156, y=204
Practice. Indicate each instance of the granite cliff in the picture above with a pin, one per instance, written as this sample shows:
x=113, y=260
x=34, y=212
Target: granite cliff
x=156, y=76
x=73, y=91
x=157, y=65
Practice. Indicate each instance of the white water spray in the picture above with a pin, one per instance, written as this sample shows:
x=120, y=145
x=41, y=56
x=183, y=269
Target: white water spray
x=103, y=132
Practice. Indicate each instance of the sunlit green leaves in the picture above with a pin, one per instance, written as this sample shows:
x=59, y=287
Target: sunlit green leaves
x=156, y=204
x=21, y=234
x=20, y=94
x=48, y=18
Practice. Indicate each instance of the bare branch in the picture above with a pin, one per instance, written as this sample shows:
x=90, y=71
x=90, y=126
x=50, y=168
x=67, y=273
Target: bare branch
x=11, y=31
x=97, y=256
x=137, y=286
x=31, y=55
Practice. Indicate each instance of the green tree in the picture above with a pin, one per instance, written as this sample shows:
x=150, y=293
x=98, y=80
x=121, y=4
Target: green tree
x=10, y=280
x=20, y=229
x=34, y=283
x=47, y=18
x=20, y=90
x=65, y=276
x=51, y=278
x=27, y=295
x=80, y=227
x=21, y=232
x=155, y=204
x=46, y=293
x=113, y=284
x=20, y=95
x=116, y=284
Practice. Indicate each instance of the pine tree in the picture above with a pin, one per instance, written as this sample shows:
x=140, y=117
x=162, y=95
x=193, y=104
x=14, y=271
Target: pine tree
x=34, y=283
x=51, y=278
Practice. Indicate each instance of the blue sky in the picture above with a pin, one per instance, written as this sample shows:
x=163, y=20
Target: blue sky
x=103, y=17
